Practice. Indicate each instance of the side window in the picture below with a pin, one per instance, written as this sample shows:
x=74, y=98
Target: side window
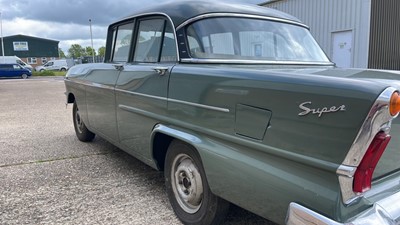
x=168, y=52
x=149, y=40
x=122, y=42
x=151, y=45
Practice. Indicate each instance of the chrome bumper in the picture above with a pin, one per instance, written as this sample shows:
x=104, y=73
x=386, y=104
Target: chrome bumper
x=383, y=212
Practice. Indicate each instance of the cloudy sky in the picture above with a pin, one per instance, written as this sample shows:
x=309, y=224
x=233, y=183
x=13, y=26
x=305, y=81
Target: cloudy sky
x=67, y=21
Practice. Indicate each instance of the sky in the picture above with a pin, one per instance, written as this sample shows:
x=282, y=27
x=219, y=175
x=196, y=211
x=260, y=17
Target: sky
x=67, y=21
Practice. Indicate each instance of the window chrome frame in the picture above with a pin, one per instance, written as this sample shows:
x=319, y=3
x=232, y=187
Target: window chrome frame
x=137, y=16
x=241, y=15
x=244, y=61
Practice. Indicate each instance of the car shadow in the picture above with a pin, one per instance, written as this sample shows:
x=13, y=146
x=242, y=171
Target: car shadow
x=154, y=180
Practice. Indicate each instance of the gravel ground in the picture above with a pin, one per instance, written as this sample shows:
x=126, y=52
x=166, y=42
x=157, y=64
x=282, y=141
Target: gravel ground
x=48, y=177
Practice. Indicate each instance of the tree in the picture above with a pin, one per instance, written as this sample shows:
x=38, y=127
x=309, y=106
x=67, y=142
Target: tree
x=89, y=51
x=61, y=53
x=101, y=51
x=76, y=51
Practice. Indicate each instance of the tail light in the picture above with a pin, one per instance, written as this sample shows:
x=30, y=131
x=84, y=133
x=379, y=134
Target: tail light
x=394, y=106
x=363, y=174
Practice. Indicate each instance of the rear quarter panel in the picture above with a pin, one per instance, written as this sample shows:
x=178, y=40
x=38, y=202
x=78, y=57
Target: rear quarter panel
x=295, y=159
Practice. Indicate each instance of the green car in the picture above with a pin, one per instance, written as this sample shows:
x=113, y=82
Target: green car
x=239, y=104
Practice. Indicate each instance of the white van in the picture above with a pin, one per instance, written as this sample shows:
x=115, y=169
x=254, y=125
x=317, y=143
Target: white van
x=60, y=65
x=15, y=59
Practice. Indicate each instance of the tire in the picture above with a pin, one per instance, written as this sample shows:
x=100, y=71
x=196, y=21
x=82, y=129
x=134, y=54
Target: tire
x=81, y=130
x=63, y=69
x=187, y=187
x=24, y=76
x=42, y=70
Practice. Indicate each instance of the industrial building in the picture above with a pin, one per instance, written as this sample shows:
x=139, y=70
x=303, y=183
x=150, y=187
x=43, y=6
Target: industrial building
x=353, y=33
x=32, y=50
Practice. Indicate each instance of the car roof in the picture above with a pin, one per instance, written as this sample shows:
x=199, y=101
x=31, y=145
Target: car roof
x=181, y=11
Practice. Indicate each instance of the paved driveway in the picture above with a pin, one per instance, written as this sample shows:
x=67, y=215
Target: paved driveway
x=48, y=177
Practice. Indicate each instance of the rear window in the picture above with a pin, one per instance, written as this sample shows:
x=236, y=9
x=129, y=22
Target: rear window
x=252, y=39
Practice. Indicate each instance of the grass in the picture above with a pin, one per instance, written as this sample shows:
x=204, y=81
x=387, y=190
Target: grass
x=48, y=73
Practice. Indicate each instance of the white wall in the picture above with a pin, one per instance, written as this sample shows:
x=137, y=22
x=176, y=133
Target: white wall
x=325, y=17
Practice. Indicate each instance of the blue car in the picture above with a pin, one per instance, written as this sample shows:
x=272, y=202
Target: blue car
x=14, y=70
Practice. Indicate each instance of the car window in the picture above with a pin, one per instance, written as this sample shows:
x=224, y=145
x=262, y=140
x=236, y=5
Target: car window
x=17, y=67
x=151, y=45
x=6, y=66
x=252, y=39
x=122, y=42
x=168, y=52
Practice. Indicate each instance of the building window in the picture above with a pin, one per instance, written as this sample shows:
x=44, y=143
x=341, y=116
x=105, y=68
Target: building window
x=44, y=60
x=32, y=60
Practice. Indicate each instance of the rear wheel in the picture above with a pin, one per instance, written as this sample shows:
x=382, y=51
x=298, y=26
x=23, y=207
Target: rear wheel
x=63, y=69
x=187, y=187
x=81, y=130
x=24, y=76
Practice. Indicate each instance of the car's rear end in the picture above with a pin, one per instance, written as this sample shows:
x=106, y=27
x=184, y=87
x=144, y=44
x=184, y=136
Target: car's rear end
x=369, y=176
x=323, y=144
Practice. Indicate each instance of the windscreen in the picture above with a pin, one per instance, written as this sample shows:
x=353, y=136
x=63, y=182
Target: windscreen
x=252, y=39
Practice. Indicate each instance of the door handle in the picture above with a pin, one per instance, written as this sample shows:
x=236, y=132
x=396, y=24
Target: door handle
x=161, y=70
x=119, y=66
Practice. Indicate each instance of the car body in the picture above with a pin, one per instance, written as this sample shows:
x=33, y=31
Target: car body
x=58, y=65
x=238, y=103
x=15, y=59
x=14, y=70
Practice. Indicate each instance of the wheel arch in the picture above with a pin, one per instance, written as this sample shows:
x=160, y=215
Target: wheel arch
x=162, y=136
x=70, y=98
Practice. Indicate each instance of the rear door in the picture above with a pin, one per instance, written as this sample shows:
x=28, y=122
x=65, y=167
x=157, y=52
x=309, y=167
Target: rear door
x=142, y=86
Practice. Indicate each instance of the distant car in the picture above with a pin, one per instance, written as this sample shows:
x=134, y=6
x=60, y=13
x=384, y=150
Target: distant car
x=59, y=65
x=239, y=104
x=15, y=59
x=14, y=70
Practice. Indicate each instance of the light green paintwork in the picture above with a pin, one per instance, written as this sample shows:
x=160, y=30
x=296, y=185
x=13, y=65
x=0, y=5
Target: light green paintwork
x=295, y=159
x=257, y=151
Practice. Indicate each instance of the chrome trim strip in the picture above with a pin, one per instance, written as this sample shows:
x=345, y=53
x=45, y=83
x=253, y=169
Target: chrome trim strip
x=160, y=128
x=210, y=15
x=384, y=212
x=176, y=101
x=97, y=85
x=140, y=94
x=378, y=119
x=244, y=61
x=200, y=105
x=89, y=83
x=300, y=215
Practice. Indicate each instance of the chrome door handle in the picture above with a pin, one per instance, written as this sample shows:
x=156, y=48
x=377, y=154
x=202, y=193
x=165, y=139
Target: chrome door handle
x=161, y=70
x=119, y=66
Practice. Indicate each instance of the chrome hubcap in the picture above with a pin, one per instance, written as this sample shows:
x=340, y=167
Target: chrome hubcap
x=187, y=183
x=78, y=121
